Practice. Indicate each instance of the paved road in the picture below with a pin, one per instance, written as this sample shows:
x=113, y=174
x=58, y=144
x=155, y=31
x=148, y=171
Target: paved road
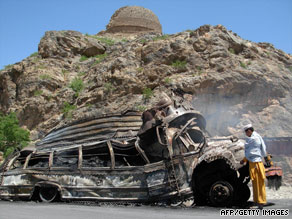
x=33, y=210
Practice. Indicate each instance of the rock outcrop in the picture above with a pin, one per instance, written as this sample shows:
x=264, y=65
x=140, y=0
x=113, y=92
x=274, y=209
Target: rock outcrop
x=68, y=44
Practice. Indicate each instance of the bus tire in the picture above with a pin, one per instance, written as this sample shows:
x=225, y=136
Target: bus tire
x=48, y=194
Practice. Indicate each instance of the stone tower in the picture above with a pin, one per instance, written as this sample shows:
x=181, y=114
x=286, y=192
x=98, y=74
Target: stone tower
x=133, y=19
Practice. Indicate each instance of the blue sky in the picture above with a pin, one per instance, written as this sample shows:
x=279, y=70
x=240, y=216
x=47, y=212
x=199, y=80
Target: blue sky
x=24, y=22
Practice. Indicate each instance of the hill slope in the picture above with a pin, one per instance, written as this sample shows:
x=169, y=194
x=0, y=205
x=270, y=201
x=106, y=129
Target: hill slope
x=232, y=81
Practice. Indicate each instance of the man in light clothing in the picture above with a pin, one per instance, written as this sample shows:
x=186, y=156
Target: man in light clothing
x=255, y=150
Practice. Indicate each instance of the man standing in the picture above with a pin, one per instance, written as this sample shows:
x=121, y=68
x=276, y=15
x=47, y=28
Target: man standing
x=255, y=149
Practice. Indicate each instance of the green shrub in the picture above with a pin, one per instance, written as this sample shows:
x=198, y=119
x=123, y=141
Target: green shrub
x=290, y=68
x=147, y=93
x=141, y=108
x=199, y=69
x=37, y=93
x=6, y=67
x=167, y=80
x=77, y=85
x=45, y=77
x=49, y=98
x=108, y=87
x=36, y=60
x=140, y=69
x=104, y=40
x=163, y=37
x=242, y=64
x=100, y=58
x=179, y=64
x=12, y=136
x=231, y=50
x=89, y=105
x=83, y=58
x=42, y=66
x=81, y=73
x=34, y=54
x=68, y=109
x=143, y=41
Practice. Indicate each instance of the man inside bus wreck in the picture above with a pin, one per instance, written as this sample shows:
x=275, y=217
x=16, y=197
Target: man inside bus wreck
x=255, y=150
x=152, y=116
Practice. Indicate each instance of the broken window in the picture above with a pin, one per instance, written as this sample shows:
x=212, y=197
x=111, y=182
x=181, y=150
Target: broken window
x=96, y=156
x=127, y=155
x=196, y=139
x=39, y=161
x=178, y=146
x=17, y=163
x=66, y=158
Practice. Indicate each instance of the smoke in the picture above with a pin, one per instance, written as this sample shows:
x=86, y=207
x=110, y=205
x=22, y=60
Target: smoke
x=228, y=114
x=225, y=115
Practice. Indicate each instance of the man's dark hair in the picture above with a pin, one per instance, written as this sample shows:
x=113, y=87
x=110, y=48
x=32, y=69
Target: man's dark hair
x=251, y=128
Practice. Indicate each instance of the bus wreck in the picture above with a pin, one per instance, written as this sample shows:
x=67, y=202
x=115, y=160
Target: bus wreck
x=119, y=158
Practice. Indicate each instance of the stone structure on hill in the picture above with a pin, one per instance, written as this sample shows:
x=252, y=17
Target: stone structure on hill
x=133, y=19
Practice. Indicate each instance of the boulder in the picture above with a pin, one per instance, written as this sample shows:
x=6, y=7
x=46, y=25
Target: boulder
x=68, y=44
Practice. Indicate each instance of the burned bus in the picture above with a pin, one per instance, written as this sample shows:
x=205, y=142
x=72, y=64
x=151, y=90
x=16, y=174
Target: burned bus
x=107, y=159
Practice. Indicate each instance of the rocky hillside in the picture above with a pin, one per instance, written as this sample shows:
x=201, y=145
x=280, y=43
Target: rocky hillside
x=232, y=81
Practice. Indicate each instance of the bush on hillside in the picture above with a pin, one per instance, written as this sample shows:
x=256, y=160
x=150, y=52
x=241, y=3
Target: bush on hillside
x=12, y=136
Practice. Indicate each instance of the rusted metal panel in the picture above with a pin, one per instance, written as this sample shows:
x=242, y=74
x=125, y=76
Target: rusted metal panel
x=80, y=157
x=94, y=130
x=112, y=155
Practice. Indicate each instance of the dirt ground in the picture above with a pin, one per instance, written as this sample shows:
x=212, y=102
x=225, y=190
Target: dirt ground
x=285, y=192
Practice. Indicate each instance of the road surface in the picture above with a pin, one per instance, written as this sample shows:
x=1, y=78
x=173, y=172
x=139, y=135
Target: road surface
x=33, y=210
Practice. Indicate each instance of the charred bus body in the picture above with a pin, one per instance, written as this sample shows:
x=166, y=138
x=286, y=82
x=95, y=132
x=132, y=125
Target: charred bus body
x=104, y=159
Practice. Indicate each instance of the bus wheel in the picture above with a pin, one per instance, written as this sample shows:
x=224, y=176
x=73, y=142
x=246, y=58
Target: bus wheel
x=48, y=194
x=221, y=193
